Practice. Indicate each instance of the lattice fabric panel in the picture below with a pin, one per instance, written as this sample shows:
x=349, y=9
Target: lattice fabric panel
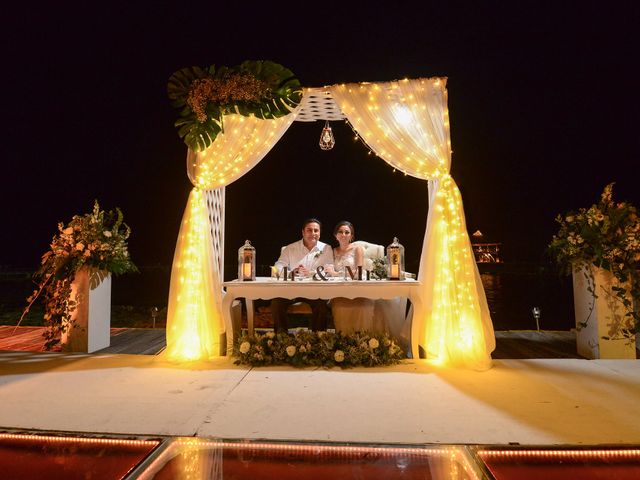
x=318, y=104
x=215, y=206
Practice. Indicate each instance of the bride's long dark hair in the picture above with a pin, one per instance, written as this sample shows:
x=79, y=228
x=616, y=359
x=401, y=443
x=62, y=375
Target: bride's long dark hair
x=345, y=223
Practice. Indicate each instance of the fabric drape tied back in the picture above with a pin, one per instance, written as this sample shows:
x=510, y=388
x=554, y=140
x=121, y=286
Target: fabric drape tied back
x=406, y=123
x=194, y=313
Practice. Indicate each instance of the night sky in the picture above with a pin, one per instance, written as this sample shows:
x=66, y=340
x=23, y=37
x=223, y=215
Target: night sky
x=543, y=104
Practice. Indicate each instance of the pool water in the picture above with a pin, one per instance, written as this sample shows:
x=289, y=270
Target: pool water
x=26, y=455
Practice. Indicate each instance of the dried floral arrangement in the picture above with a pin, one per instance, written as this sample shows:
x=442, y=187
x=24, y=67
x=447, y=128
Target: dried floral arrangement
x=204, y=95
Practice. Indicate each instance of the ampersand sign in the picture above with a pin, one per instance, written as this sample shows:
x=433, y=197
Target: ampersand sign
x=318, y=275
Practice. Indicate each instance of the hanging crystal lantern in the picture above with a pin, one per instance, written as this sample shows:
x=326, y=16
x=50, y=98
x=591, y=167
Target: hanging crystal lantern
x=326, y=137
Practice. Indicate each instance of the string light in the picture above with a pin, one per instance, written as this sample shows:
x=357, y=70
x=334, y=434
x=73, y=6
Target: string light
x=194, y=322
x=579, y=455
x=454, y=333
x=81, y=440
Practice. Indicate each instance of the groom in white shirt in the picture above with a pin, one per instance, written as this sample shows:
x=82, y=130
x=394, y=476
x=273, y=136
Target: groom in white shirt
x=303, y=257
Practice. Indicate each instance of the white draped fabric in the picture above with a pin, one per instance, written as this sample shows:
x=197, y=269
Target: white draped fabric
x=406, y=123
x=194, y=314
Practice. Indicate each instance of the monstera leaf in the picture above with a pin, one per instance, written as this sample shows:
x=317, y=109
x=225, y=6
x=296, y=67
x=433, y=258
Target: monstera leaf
x=286, y=91
x=180, y=83
x=282, y=92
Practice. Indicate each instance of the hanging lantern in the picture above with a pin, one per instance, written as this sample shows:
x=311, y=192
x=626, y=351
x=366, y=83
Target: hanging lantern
x=395, y=261
x=247, y=262
x=326, y=137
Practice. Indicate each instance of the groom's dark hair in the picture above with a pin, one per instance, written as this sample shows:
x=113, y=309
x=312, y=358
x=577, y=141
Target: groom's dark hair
x=311, y=220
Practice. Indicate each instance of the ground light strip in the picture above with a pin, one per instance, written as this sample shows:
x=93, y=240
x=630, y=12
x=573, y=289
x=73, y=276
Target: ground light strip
x=63, y=439
x=615, y=453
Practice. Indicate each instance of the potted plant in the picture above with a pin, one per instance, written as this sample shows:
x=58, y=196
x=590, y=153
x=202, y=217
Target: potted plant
x=74, y=277
x=600, y=247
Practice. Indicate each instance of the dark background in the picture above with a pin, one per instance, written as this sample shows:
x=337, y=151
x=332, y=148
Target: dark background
x=543, y=103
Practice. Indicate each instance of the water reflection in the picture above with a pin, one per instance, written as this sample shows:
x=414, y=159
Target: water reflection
x=205, y=459
x=585, y=463
x=27, y=457
x=512, y=295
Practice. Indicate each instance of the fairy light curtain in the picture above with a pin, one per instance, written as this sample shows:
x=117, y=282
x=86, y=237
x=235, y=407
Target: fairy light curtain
x=406, y=123
x=194, y=313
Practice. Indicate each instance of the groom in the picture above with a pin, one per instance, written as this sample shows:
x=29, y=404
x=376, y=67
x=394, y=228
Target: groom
x=303, y=257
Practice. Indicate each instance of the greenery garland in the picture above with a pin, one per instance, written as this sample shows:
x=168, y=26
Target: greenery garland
x=204, y=95
x=318, y=349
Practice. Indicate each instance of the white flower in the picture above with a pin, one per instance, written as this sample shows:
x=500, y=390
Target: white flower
x=68, y=231
x=291, y=350
x=106, y=233
x=302, y=349
x=244, y=347
x=269, y=342
x=338, y=356
x=79, y=246
x=373, y=343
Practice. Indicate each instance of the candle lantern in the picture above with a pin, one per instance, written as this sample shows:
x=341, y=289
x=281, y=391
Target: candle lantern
x=395, y=261
x=247, y=262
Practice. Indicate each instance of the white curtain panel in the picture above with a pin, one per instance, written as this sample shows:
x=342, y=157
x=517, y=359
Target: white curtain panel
x=406, y=123
x=194, y=313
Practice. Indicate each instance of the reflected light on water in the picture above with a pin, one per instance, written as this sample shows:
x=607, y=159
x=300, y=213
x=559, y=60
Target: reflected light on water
x=512, y=295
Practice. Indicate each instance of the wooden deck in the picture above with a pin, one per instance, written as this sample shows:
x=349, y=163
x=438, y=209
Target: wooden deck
x=535, y=344
x=516, y=344
x=140, y=341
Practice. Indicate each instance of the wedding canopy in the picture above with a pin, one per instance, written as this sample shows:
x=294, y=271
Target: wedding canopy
x=406, y=123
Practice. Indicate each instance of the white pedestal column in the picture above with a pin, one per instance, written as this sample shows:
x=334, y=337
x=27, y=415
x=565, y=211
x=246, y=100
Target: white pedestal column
x=604, y=317
x=91, y=321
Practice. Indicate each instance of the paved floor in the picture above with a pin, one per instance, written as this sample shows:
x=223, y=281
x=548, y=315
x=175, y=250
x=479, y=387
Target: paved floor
x=533, y=402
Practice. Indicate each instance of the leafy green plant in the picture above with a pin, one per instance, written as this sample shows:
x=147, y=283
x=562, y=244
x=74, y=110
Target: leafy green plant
x=204, y=95
x=379, y=268
x=606, y=235
x=98, y=241
x=318, y=349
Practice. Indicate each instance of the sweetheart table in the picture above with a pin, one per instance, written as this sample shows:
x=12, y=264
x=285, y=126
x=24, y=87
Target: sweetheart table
x=267, y=288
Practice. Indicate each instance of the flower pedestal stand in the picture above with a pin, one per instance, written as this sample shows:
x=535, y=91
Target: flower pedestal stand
x=602, y=336
x=90, y=324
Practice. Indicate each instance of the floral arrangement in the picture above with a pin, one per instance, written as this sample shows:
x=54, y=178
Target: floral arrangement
x=606, y=235
x=318, y=349
x=97, y=240
x=204, y=95
x=379, y=268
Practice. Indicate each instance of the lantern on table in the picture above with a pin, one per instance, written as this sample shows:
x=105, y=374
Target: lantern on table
x=395, y=261
x=247, y=262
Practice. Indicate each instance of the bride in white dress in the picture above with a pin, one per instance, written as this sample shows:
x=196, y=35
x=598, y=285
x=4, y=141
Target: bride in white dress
x=350, y=315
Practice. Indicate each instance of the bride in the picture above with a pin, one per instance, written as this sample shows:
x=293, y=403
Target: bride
x=349, y=315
